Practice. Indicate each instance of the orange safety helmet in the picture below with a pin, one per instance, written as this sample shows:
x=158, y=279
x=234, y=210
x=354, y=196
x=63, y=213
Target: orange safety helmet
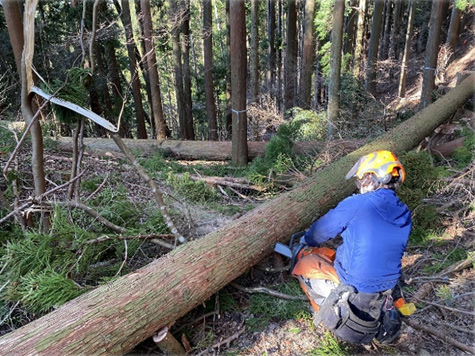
x=383, y=164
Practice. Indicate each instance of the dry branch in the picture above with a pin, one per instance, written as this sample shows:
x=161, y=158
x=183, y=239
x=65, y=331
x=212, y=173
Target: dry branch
x=440, y=335
x=268, y=291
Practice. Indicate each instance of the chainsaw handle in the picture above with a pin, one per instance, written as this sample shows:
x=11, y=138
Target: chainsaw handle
x=297, y=235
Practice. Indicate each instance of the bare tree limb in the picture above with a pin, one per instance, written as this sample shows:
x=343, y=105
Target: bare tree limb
x=440, y=335
x=268, y=291
x=136, y=237
x=155, y=189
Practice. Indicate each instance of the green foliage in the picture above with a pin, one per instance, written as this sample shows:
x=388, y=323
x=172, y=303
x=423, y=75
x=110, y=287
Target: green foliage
x=41, y=291
x=330, y=345
x=445, y=260
x=74, y=90
x=308, y=125
x=114, y=205
x=195, y=191
x=466, y=154
x=421, y=178
x=7, y=140
x=444, y=292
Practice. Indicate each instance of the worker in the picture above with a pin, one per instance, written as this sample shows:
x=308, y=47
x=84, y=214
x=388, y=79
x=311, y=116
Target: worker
x=352, y=290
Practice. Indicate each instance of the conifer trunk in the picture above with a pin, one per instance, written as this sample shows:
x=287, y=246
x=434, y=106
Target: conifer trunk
x=115, y=317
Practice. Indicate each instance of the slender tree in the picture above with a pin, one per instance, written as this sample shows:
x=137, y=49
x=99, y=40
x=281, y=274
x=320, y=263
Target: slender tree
x=335, y=63
x=189, y=131
x=454, y=27
x=270, y=74
x=24, y=47
x=290, y=70
x=393, y=45
x=134, y=75
x=407, y=48
x=307, y=55
x=238, y=81
x=208, y=70
x=254, y=55
x=154, y=78
x=175, y=22
x=432, y=51
x=371, y=64
x=229, y=115
x=359, y=38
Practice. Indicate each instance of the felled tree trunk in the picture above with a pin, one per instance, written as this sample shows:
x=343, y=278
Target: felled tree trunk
x=115, y=317
x=208, y=150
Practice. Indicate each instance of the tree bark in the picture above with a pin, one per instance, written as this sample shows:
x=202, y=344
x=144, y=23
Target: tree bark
x=432, y=51
x=15, y=30
x=115, y=317
x=407, y=49
x=175, y=18
x=208, y=70
x=271, y=49
x=307, y=55
x=134, y=74
x=359, y=39
x=454, y=27
x=371, y=65
x=238, y=81
x=335, y=64
x=254, y=55
x=209, y=150
x=290, y=70
x=186, y=40
x=157, y=110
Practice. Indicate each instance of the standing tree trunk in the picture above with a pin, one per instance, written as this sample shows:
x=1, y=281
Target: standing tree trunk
x=134, y=75
x=371, y=65
x=175, y=19
x=407, y=49
x=432, y=51
x=278, y=56
x=115, y=317
x=157, y=110
x=189, y=129
x=270, y=77
x=208, y=68
x=359, y=38
x=12, y=13
x=350, y=30
x=290, y=70
x=254, y=57
x=383, y=53
x=238, y=81
x=307, y=56
x=23, y=50
x=454, y=27
x=393, y=47
x=335, y=64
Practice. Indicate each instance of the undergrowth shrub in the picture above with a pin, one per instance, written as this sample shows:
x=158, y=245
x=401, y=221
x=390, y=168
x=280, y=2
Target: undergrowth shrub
x=422, y=178
x=195, y=191
x=466, y=154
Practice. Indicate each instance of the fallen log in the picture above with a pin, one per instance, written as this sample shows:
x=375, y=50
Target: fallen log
x=192, y=150
x=115, y=317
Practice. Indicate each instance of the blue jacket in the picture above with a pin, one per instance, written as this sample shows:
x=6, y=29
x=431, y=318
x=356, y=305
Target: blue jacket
x=375, y=228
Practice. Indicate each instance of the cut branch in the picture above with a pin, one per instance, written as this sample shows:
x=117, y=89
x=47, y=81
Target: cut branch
x=268, y=291
x=440, y=335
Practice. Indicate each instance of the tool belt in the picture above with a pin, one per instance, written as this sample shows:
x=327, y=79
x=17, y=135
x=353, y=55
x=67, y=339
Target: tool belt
x=351, y=316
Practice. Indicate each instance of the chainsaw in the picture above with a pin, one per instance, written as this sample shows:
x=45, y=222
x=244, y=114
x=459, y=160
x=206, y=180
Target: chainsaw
x=292, y=249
